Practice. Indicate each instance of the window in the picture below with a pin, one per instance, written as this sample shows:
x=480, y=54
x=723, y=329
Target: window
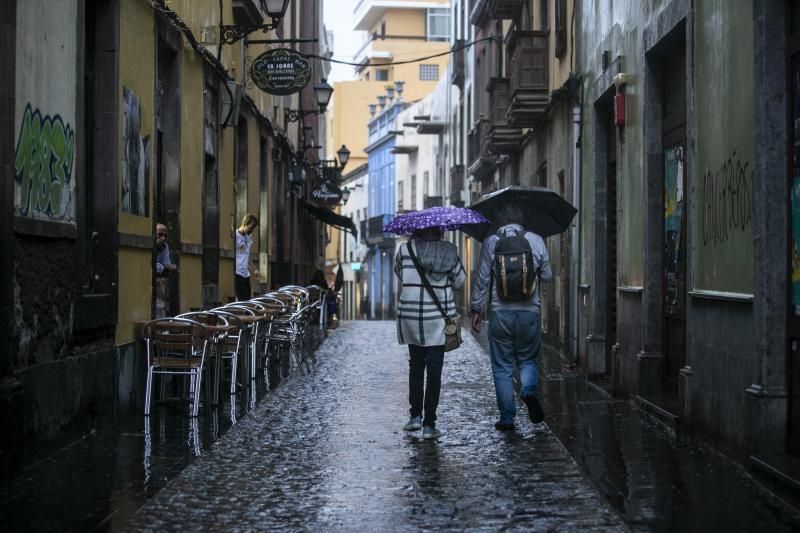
x=381, y=74
x=425, y=183
x=541, y=175
x=413, y=191
x=429, y=72
x=561, y=28
x=438, y=24
x=399, y=195
x=544, y=18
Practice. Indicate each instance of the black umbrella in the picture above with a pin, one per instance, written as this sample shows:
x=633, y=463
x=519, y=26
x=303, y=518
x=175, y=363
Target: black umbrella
x=544, y=211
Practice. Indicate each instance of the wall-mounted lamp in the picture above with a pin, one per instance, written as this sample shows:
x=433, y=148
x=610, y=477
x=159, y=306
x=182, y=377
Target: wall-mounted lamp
x=344, y=155
x=275, y=9
x=322, y=92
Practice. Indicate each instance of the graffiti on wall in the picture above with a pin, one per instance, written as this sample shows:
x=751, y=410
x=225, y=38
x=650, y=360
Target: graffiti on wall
x=43, y=163
x=135, y=156
x=727, y=201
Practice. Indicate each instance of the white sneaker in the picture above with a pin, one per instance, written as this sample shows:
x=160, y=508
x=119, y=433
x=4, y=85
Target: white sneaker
x=414, y=423
x=429, y=432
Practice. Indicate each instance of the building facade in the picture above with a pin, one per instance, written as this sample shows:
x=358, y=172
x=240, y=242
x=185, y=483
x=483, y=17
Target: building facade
x=685, y=210
x=352, y=249
x=123, y=115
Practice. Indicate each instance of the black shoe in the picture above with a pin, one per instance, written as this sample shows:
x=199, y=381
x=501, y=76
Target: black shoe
x=504, y=426
x=535, y=412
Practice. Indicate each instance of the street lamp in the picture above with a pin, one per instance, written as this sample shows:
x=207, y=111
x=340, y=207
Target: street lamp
x=276, y=9
x=344, y=155
x=322, y=92
x=345, y=195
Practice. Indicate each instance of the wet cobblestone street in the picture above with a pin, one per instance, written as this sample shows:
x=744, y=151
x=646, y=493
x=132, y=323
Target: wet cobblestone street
x=326, y=451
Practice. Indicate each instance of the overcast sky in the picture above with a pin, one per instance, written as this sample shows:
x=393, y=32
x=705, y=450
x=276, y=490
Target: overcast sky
x=338, y=16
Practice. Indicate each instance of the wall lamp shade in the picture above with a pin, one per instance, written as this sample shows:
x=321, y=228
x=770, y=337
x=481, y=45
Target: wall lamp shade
x=345, y=195
x=344, y=155
x=323, y=92
x=276, y=8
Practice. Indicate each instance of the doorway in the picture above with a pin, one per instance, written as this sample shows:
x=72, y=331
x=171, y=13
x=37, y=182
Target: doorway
x=167, y=167
x=611, y=240
x=211, y=227
x=675, y=200
x=793, y=248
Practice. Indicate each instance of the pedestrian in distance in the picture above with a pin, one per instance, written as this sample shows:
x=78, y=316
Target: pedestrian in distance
x=511, y=265
x=421, y=324
x=164, y=264
x=244, y=265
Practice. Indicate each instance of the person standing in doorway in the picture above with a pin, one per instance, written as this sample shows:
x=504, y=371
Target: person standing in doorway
x=164, y=263
x=515, y=310
x=244, y=265
x=420, y=323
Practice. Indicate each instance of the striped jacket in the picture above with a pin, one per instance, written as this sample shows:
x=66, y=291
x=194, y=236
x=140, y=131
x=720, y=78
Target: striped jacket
x=418, y=319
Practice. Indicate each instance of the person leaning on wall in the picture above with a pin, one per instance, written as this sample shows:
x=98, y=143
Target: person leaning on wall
x=244, y=265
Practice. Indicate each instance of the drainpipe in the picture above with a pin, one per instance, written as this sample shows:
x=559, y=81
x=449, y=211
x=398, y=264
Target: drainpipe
x=575, y=233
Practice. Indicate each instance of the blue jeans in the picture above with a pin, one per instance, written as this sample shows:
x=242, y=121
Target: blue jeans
x=514, y=337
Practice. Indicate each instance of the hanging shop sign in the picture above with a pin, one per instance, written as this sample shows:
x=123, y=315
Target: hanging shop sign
x=280, y=71
x=327, y=193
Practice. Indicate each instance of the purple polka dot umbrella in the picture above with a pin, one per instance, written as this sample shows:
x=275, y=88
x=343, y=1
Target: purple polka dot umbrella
x=447, y=218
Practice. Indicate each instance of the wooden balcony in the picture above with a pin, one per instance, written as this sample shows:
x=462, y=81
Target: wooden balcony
x=529, y=68
x=501, y=137
x=481, y=161
x=458, y=63
x=456, y=185
x=504, y=9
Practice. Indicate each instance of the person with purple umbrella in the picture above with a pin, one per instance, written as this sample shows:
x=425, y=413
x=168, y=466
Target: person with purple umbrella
x=420, y=323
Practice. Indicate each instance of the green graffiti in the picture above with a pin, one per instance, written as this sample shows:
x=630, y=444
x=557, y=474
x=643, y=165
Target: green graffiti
x=43, y=165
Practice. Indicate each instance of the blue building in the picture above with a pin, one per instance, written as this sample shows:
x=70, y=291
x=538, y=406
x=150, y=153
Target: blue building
x=381, y=209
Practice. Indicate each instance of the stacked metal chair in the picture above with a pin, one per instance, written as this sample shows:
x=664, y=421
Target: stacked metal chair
x=177, y=346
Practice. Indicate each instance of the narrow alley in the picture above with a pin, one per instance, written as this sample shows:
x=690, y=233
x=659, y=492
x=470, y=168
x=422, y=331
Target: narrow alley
x=325, y=451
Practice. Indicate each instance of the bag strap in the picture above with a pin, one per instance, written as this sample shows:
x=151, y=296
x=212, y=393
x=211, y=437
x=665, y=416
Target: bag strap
x=425, y=280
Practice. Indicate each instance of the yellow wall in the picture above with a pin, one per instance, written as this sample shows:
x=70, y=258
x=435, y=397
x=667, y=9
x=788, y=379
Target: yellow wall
x=136, y=73
x=192, y=162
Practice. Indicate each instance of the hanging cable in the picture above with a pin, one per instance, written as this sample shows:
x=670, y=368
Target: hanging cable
x=416, y=60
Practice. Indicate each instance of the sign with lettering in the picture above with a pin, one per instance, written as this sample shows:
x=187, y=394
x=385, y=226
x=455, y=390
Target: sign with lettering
x=327, y=193
x=280, y=71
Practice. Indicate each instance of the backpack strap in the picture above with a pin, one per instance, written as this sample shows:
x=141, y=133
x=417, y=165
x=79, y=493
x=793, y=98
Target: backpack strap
x=425, y=281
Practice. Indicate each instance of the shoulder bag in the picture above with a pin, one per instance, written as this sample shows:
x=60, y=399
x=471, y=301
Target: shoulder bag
x=452, y=325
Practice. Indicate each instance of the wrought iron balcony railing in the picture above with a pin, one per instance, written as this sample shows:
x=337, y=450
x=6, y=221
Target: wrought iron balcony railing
x=375, y=233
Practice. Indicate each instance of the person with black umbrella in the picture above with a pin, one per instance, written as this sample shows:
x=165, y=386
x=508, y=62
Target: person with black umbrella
x=512, y=263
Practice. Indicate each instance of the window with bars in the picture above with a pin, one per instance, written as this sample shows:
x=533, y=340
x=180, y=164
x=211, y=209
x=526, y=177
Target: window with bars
x=428, y=72
x=425, y=183
x=413, y=191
